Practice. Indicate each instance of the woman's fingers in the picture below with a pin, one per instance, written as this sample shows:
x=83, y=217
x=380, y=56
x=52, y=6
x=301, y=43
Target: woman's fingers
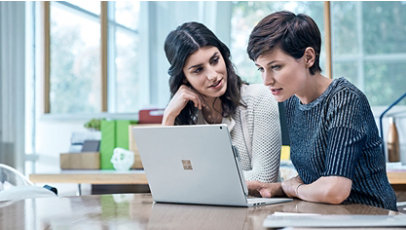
x=259, y=188
x=189, y=94
x=254, y=185
x=180, y=100
x=265, y=192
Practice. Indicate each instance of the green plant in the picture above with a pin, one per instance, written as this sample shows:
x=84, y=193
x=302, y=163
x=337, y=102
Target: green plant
x=93, y=124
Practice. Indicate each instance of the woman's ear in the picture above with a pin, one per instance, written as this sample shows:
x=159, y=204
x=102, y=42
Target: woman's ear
x=309, y=57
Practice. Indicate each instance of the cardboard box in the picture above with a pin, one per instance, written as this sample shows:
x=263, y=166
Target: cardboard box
x=133, y=146
x=83, y=160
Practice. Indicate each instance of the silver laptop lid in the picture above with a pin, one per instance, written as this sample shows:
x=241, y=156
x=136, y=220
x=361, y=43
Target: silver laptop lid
x=191, y=164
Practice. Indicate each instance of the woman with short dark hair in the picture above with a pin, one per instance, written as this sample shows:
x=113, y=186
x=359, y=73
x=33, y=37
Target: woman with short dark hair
x=206, y=90
x=335, y=146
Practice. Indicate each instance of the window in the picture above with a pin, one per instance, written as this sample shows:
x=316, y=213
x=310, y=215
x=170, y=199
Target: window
x=245, y=15
x=74, y=59
x=125, y=84
x=80, y=55
x=367, y=48
x=368, y=42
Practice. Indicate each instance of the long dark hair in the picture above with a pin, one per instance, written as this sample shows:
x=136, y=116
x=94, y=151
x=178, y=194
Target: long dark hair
x=179, y=45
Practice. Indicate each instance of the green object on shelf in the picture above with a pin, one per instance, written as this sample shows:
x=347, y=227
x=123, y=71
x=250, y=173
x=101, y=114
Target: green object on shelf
x=122, y=133
x=114, y=134
x=108, y=143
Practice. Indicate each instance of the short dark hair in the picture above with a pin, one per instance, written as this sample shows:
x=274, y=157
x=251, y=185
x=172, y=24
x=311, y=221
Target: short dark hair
x=292, y=33
x=183, y=42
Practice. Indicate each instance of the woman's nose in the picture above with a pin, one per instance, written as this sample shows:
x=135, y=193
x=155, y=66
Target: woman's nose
x=268, y=79
x=211, y=74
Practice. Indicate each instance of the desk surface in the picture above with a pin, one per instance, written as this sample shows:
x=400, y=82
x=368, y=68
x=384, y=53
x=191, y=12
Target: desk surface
x=137, y=211
x=91, y=177
x=396, y=177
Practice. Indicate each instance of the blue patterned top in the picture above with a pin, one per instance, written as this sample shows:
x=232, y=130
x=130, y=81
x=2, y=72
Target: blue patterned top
x=336, y=135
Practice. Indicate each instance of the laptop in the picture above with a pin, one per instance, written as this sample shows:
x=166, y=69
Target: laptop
x=194, y=164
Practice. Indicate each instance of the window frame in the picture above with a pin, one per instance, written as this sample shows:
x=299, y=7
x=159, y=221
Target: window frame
x=105, y=48
x=47, y=51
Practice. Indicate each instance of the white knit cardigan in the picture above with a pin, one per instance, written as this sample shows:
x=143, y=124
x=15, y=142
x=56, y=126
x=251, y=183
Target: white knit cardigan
x=255, y=131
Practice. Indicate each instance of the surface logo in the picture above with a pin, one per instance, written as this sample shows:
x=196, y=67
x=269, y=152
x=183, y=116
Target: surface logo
x=187, y=165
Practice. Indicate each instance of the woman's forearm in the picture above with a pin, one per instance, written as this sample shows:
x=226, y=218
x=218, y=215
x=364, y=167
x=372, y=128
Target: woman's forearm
x=331, y=190
x=168, y=119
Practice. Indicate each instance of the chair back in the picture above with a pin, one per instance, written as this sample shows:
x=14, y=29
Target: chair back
x=9, y=177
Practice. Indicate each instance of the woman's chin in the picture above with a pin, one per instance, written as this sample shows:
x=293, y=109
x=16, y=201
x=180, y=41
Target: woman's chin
x=280, y=98
x=217, y=92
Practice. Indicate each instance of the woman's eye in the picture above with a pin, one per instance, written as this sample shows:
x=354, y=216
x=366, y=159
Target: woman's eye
x=215, y=60
x=198, y=70
x=260, y=69
x=275, y=67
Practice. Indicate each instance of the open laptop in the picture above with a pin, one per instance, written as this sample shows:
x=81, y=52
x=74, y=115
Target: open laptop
x=194, y=164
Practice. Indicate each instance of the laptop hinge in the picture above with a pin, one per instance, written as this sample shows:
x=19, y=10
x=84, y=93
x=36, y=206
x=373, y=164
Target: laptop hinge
x=240, y=174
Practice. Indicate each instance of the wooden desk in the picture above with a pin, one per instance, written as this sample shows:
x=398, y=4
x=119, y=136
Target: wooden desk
x=91, y=177
x=137, y=211
x=397, y=176
x=135, y=177
x=94, y=177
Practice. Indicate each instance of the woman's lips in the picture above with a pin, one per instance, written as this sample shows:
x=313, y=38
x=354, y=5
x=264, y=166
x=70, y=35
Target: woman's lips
x=218, y=84
x=276, y=91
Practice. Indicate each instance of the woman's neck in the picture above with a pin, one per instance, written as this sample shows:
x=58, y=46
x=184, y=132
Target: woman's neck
x=213, y=110
x=315, y=87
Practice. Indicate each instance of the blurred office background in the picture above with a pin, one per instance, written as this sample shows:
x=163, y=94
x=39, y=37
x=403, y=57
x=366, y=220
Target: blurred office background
x=64, y=63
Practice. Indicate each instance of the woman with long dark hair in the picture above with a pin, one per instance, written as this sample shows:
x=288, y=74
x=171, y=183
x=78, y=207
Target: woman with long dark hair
x=206, y=90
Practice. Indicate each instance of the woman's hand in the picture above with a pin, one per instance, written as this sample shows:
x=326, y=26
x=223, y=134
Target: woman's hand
x=267, y=190
x=290, y=186
x=178, y=103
